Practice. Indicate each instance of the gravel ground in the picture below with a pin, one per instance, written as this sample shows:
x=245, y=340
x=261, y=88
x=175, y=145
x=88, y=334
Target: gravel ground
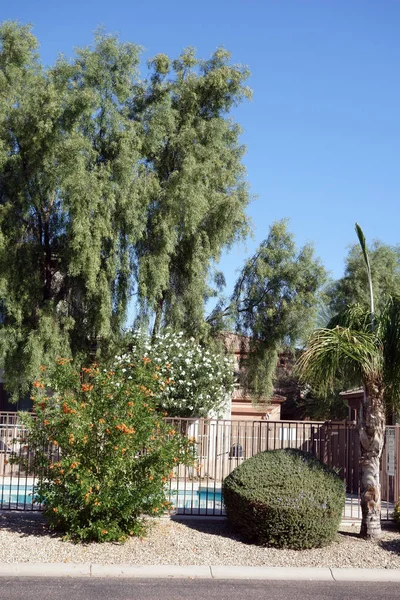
x=24, y=537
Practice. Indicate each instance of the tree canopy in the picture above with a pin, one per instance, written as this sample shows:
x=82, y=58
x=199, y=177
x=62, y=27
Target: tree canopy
x=352, y=288
x=275, y=302
x=110, y=186
x=197, y=203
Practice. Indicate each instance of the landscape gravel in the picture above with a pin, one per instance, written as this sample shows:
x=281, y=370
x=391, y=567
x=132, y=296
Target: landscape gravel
x=24, y=537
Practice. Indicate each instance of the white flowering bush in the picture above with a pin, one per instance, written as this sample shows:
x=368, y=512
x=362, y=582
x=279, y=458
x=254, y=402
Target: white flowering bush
x=194, y=381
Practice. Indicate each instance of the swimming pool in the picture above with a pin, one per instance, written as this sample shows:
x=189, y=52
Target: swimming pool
x=204, y=499
x=207, y=499
x=14, y=494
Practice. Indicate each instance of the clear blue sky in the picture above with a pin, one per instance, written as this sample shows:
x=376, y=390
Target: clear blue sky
x=323, y=129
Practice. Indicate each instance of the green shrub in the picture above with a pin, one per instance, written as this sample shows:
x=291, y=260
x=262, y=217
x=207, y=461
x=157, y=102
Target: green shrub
x=396, y=513
x=284, y=498
x=112, y=453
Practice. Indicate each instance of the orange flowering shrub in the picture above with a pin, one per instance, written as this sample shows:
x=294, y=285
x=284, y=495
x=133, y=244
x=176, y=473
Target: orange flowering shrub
x=102, y=453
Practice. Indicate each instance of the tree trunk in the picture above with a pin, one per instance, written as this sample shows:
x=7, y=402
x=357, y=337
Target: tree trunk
x=159, y=311
x=371, y=427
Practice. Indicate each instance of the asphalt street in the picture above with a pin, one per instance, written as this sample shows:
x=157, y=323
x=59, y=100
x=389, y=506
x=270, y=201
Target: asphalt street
x=26, y=588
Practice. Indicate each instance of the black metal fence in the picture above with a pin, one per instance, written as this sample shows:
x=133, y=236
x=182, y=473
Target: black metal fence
x=221, y=445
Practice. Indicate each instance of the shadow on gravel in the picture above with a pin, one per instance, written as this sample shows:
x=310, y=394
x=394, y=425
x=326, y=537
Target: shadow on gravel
x=391, y=546
x=211, y=526
x=222, y=528
x=351, y=534
x=25, y=524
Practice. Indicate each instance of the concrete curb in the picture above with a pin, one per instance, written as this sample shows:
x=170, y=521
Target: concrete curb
x=45, y=570
x=196, y=572
x=152, y=572
x=272, y=573
x=366, y=574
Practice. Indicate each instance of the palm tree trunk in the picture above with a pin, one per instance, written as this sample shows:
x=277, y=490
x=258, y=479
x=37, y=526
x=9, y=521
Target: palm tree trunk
x=371, y=427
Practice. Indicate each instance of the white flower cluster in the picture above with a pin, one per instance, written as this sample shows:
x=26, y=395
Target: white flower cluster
x=198, y=381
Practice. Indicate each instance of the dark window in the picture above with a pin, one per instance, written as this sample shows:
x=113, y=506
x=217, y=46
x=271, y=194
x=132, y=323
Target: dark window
x=7, y=406
x=236, y=451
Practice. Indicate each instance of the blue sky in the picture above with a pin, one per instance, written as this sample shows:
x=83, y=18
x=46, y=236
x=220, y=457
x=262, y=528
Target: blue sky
x=323, y=129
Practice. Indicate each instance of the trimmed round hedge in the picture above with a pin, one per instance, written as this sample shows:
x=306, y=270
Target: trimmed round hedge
x=284, y=498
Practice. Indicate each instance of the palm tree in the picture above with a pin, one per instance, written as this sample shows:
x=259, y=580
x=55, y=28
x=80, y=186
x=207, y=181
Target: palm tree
x=363, y=348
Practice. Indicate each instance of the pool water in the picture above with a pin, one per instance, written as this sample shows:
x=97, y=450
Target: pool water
x=204, y=498
x=16, y=494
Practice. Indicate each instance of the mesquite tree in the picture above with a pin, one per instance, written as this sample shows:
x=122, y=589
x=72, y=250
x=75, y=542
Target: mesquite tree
x=110, y=186
x=274, y=303
x=71, y=198
x=197, y=205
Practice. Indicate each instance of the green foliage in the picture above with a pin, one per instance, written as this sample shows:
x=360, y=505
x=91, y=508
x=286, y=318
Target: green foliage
x=303, y=403
x=339, y=353
x=70, y=206
x=352, y=288
x=275, y=302
x=389, y=341
x=364, y=250
x=396, y=513
x=331, y=407
x=284, y=498
x=198, y=379
x=352, y=354
x=108, y=183
x=102, y=453
x=199, y=194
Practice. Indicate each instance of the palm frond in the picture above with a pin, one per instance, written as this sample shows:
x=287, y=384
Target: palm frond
x=334, y=354
x=353, y=317
x=363, y=244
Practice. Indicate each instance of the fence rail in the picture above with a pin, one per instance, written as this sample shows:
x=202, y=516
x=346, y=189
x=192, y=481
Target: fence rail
x=221, y=445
